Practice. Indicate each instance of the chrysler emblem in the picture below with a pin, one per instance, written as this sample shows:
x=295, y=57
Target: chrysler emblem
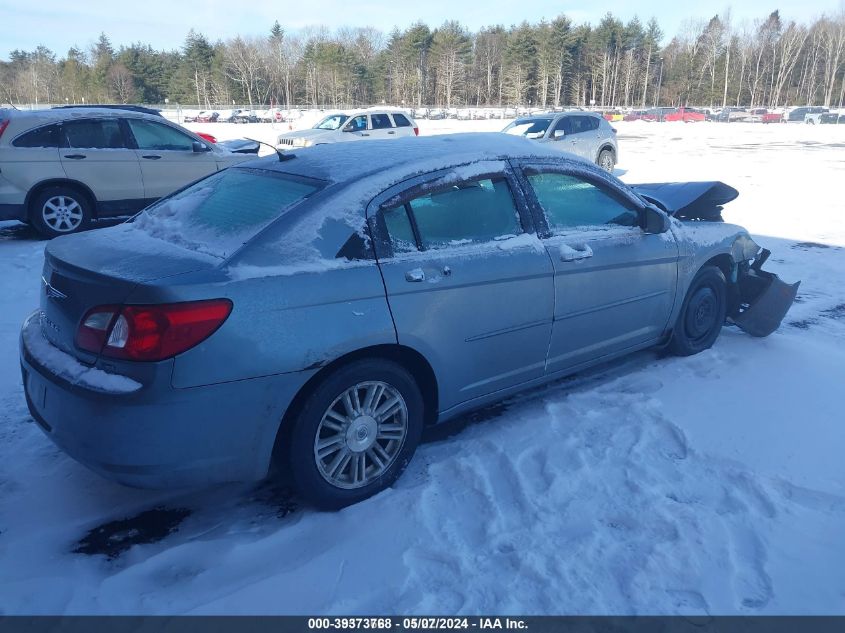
x=52, y=292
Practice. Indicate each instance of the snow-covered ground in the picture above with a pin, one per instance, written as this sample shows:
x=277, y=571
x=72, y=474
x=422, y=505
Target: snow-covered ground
x=710, y=484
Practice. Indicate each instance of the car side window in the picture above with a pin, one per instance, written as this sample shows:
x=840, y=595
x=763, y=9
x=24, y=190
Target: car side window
x=468, y=212
x=565, y=124
x=590, y=123
x=155, y=136
x=400, y=229
x=93, y=134
x=570, y=201
x=357, y=124
x=579, y=124
x=46, y=136
x=401, y=120
x=380, y=121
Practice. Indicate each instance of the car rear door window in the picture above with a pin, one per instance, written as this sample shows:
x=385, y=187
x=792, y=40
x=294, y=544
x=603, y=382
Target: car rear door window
x=93, y=134
x=469, y=212
x=571, y=201
x=46, y=136
x=380, y=121
x=400, y=229
x=401, y=120
x=579, y=124
x=155, y=136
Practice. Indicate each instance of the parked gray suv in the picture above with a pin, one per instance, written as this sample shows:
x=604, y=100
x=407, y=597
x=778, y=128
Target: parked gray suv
x=585, y=134
x=322, y=307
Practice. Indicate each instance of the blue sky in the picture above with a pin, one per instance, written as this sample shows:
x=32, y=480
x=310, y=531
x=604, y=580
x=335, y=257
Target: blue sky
x=59, y=24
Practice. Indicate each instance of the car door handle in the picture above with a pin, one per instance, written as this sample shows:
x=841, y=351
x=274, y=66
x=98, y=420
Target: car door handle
x=415, y=275
x=572, y=253
x=151, y=156
x=364, y=134
x=391, y=132
x=75, y=156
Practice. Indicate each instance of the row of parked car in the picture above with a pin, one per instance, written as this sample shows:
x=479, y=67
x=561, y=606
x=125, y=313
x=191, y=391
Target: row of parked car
x=804, y=114
x=585, y=134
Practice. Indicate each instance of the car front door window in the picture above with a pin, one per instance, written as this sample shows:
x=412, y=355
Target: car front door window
x=357, y=124
x=157, y=137
x=570, y=201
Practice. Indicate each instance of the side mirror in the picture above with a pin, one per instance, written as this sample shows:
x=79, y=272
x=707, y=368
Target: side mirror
x=656, y=221
x=200, y=147
x=558, y=134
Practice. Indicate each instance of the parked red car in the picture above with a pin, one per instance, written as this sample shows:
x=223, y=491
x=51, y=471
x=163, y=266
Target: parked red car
x=207, y=137
x=772, y=117
x=687, y=115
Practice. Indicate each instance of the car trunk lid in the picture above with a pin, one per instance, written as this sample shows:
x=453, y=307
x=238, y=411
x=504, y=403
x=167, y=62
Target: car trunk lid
x=102, y=268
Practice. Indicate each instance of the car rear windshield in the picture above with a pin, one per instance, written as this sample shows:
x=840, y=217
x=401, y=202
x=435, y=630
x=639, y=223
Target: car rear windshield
x=219, y=214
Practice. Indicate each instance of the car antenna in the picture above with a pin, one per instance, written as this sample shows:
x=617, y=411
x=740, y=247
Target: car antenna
x=282, y=156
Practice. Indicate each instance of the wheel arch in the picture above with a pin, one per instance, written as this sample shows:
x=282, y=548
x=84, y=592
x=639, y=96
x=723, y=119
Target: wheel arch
x=609, y=147
x=407, y=357
x=36, y=189
x=725, y=262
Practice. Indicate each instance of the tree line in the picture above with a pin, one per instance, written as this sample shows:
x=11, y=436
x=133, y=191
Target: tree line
x=769, y=62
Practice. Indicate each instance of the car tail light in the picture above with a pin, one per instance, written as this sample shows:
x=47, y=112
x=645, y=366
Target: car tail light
x=613, y=128
x=416, y=131
x=3, y=126
x=150, y=332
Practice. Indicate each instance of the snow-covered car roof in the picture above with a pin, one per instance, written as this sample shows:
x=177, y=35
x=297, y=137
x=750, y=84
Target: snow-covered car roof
x=345, y=162
x=48, y=115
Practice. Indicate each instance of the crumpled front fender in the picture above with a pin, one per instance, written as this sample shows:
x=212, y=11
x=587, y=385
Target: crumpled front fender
x=764, y=299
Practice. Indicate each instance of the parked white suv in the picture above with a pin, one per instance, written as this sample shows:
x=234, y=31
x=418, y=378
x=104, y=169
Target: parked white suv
x=61, y=169
x=354, y=126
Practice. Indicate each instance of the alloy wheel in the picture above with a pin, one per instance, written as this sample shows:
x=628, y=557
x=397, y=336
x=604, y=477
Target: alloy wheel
x=62, y=214
x=361, y=434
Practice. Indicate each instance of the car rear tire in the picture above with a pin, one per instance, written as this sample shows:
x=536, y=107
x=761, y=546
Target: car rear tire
x=60, y=210
x=606, y=160
x=355, y=433
x=702, y=314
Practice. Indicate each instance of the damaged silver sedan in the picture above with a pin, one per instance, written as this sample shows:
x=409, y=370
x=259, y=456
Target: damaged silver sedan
x=320, y=308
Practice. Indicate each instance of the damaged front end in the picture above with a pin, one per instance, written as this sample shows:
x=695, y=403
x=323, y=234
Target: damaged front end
x=757, y=300
x=760, y=299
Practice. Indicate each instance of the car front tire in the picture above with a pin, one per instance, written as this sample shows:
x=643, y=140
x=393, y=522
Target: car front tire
x=702, y=314
x=60, y=210
x=355, y=433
